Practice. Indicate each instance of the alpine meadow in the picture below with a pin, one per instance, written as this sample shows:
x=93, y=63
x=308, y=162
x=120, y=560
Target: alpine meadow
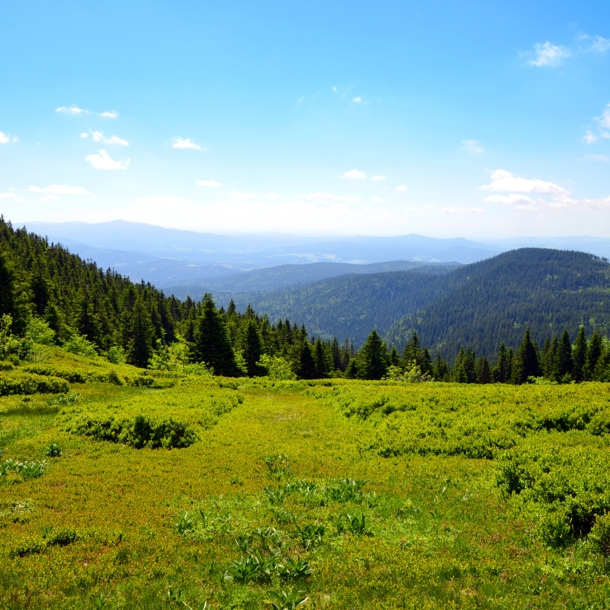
x=305, y=305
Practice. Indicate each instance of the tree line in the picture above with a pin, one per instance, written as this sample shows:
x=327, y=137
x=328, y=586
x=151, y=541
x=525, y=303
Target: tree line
x=55, y=297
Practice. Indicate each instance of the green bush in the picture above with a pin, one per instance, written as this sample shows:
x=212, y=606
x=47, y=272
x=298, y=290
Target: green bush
x=63, y=372
x=599, y=536
x=26, y=383
x=5, y=365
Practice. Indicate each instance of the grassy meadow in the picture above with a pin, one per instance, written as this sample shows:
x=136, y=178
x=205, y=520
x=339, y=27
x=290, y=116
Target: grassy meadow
x=197, y=492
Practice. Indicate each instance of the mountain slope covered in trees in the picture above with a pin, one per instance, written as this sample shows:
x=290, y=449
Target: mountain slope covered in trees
x=349, y=306
x=495, y=300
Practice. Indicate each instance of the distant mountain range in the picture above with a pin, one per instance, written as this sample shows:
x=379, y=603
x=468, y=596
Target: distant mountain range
x=476, y=305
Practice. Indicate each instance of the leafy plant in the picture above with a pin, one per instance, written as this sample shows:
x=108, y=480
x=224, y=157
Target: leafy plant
x=353, y=524
x=53, y=450
x=286, y=600
x=310, y=535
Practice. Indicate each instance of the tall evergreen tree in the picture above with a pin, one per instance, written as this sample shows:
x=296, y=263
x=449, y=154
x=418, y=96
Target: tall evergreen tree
x=307, y=362
x=211, y=344
x=141, y=345
x=252, y=348
x=563, y=359
x=594, y=353
x=579, y=355
x=526, y=363
x=503, y=369
x=374, y=357
x=484, y=370
x=550, y=358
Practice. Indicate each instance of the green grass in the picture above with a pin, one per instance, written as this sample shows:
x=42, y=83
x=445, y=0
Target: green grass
x=283, y=497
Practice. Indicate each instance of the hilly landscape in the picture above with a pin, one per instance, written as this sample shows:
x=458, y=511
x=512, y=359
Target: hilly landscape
x=477, y=305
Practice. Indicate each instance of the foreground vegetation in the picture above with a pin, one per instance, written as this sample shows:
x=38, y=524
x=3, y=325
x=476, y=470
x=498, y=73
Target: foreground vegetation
x=126, y=490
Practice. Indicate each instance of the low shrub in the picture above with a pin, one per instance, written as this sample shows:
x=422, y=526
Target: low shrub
x=27, y=383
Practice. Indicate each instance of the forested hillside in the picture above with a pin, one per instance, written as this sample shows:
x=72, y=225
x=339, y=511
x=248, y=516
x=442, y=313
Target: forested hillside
x=349, y=306
x=495, y=300
x=284, y=276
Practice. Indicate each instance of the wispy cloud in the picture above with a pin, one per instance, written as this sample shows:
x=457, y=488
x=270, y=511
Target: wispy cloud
x=164, y=202
x=504, y=181
x=8, y=196
x=378, y=178
x=512, y=199
x=321, y=197
x=98, y=136
x=401, y=189
x=7, y=138
x=60, y=189
x=73, y=110
x=377, y=199
x=472, y=147
x=357, y=100
x=354, y=174
x=602, y=158
x=603, y=128
x=102, y=160
x=548, y=55
x=595, y=44
x=462, y=210
x=184, y=143
x=240, y=196
x=212, y=183
x=109, y=114
x=272, y=196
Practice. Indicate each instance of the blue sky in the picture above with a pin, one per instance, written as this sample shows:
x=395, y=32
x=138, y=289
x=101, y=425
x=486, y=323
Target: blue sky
x=475, y=119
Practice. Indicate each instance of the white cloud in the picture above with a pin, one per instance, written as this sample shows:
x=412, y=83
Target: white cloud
x=589, y=138
x=164, y=202
x=84, y=135
x=51, y=198
x=402, y=188
x=504, y=181
x=357, y=100
x=511, y=199
x=239, y=196
x=102, y=160
x=60, y=189
x=377, y=199
x=604, y=119
x=183, y=143
x=598, y=44
x=602, y=158
x=548, y=55
x=472, y=147
x=8, y=196
x=272, y=196
x=462, y=210
x=378, y=178
x=354, y=174
x=109, y=114
x=335, y=89
x=73, y=110
x=7, y=138
x=98, y=136
x=211, y=183
x=329, y=198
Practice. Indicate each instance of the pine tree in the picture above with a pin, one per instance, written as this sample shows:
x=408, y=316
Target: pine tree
x=307, y=362
x=140, y=347
x=252, y=348
x=526, y=363
x=501, y=371
x=484, y=371
x=579, y=355
x=40, y=285
x=374, y=357
x=594, y=353
x=394, y=357
x=440, y=369
x=564, y=363
x=549, y=361
x=211, y=344
x=335, y=351
x=322, y=366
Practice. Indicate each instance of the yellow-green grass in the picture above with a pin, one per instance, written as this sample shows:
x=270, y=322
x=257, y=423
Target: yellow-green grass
x=442, y=534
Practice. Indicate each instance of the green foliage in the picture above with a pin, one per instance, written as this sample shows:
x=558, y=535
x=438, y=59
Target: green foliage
x=276, y=367
x=80, y=345
x=26, y=383
x=39, y=331
x=53, y=450
x=599, y=536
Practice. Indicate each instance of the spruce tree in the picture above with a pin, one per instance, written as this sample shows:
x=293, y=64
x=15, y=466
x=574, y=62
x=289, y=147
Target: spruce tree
x=484, y=371
x=549, y=360
x=374, y=357
x=579, y=355
x=563, y=360
x=211, y=344
x=252, y=348
x=335, y=351
x=500, y=372
x=307, y=362
x=594, y=353
x=526, y=363
x=140, y=346
x=394, y=357
x=322, y=366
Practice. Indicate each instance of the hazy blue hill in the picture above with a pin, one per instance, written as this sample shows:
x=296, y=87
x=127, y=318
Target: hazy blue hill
x=349, y=306
x=495, y=300
x=284, y=276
